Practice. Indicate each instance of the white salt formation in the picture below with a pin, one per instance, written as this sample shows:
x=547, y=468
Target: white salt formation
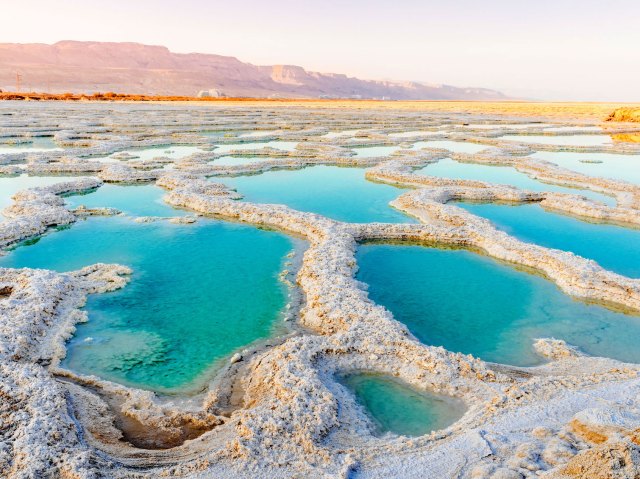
x=276, y=411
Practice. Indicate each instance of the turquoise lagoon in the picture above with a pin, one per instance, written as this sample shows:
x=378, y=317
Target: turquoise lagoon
x=339, y=193
x=609, y=165
x=614, y=247
x=472, y=304
x=198, y=293
x=398, y=408
x=504, y=175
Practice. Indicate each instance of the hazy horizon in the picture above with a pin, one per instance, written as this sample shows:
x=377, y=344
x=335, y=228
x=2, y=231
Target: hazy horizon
x=567, y=50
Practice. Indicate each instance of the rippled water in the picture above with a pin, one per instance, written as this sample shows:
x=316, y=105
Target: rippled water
x=475, y=305
x=396, y=407
x=339, y=193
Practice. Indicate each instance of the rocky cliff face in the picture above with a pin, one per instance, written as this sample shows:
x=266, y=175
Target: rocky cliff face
x=136, y=68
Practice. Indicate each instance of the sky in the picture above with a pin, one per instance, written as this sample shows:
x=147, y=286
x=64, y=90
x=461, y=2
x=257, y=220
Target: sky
x=539, y=49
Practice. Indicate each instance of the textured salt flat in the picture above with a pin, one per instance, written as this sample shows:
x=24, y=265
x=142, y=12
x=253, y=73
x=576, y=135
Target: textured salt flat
x=276, y=410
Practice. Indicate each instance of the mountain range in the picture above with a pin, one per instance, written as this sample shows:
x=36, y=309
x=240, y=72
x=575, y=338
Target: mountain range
x=89, y=67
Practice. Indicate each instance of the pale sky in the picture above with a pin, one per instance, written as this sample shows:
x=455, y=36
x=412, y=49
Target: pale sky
x=543, y=49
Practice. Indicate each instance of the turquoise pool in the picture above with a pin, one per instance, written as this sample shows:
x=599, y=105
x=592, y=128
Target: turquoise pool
x=339, y=193
x=398, y=408
x=475, y=305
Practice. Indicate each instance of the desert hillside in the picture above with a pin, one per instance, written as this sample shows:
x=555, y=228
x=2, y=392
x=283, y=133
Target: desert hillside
x=144, y=69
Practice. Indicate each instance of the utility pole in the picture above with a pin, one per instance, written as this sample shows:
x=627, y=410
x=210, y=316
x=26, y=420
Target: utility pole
x=18, y=82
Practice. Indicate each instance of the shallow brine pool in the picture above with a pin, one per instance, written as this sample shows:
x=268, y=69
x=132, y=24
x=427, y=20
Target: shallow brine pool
x=277, y=144
x=10, y=185
x=37, y=145
x=475, y=305
x=134, y=200
x=453, y=146
x=603, y=165
x=398, y=408
x=503, y=175
x=614, y=247
x=174, y=152
x=339, y=193
x=239, y=160
x=374, y=151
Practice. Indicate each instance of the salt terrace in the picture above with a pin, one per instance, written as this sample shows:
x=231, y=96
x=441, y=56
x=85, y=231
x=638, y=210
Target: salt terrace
x=275, y=405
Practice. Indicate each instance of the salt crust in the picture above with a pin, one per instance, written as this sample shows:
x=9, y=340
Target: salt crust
x=576, y=416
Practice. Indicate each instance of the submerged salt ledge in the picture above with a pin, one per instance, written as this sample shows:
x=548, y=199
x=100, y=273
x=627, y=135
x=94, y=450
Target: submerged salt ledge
x=520, y=420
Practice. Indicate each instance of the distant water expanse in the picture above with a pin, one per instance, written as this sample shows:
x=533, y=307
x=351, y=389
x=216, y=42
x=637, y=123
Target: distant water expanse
x=198, y=293
x=475, y=305
x=573, y=140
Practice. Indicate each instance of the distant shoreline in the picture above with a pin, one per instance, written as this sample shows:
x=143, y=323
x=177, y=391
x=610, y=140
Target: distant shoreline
x=579, y=111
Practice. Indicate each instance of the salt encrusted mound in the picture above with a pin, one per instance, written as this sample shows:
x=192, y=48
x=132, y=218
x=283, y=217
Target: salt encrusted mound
x=35, y=210
x=555, y=349
x=39, y=312
x=113, y=173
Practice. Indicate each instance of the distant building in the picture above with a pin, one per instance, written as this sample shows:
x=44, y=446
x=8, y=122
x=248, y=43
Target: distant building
x=212, y=93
